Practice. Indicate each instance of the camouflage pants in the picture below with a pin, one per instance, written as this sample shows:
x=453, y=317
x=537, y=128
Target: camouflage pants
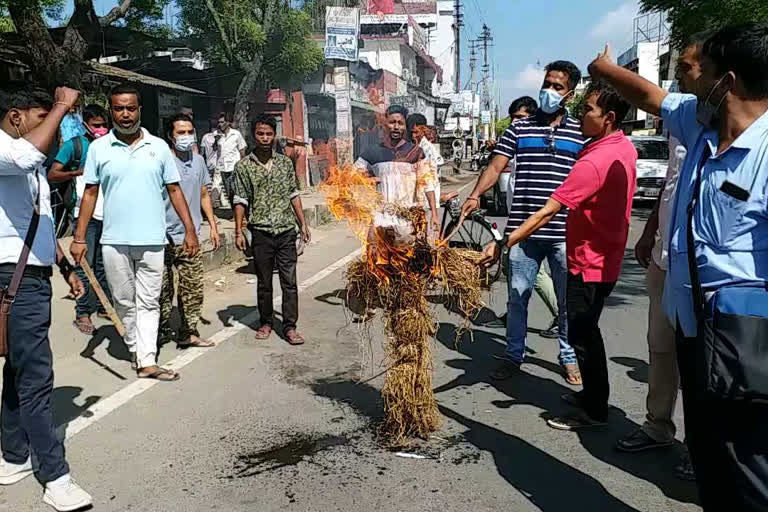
x=190, y=293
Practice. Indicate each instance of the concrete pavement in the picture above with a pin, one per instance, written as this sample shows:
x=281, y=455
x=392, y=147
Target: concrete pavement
x=269, y=427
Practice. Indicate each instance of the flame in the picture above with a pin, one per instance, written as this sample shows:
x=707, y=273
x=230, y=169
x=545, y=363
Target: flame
x=351, y=195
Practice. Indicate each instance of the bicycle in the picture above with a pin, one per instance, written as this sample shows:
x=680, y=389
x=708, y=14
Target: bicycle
x=474, y=233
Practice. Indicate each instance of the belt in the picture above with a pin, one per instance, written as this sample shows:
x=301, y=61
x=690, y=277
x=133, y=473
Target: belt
x=29, y=270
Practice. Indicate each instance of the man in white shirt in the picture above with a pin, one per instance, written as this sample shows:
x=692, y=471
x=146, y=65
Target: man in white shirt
x=223, y=148
x=29, y=122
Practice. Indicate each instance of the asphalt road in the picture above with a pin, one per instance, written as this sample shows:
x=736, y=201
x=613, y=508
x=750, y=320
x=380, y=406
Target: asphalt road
x=263, y=426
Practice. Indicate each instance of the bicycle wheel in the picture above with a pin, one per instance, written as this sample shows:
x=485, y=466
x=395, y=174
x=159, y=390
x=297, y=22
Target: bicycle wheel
x=475, y=233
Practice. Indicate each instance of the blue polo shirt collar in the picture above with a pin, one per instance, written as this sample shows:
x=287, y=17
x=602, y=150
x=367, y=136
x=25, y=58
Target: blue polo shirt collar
x=114, y=141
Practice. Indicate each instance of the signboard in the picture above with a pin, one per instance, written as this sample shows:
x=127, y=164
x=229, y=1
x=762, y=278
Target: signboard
x=417, y=36
x=485, y=116
x=408, y=102
x=342, y=28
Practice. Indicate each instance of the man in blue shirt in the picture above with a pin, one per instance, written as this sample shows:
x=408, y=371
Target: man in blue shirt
x=724, y=127
x=136, y=170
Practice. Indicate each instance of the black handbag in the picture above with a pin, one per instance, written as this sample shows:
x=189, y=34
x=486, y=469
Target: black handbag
x=732, y=351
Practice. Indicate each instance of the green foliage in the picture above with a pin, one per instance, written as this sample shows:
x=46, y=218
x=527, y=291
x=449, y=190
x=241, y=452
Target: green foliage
x=502, y=125
x=693, y=16
x=576, y=105
x=6, y=24
x=288, y=52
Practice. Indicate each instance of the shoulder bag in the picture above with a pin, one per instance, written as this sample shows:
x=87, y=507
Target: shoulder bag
x=732, y=359
x=8, y=295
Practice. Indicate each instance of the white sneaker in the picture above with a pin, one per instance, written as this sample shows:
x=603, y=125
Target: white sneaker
x=65, y=495
x=12, y=473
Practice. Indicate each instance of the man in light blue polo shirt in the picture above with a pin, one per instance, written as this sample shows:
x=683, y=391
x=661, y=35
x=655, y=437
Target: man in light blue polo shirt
x=136, y=170
x=724, y=127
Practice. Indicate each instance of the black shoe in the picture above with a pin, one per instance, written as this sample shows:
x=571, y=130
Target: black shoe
x=639, y=441
x=553, y=332
x=496, y=323
x=505, y=370
x=575, y=399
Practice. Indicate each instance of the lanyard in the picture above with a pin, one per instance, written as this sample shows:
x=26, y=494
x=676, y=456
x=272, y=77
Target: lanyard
x=698, y=295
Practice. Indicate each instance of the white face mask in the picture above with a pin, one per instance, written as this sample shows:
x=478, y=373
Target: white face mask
x=184, y=142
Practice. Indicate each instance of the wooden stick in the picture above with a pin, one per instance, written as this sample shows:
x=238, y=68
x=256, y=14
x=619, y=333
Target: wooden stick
x=96, y=286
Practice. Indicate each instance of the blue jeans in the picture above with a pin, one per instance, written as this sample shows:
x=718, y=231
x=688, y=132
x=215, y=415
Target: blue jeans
x=90, y=303
x=524, y=262
x=26, y=419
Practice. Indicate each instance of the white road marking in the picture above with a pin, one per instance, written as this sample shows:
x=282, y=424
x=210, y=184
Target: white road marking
x=102, y=408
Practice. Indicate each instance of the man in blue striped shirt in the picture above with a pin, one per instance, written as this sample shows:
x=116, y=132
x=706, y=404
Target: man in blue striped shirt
x=545, y=146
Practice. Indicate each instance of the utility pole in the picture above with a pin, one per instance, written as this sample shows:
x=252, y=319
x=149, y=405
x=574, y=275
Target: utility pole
x=485, y=39
x=457, y=24
x=473, y=119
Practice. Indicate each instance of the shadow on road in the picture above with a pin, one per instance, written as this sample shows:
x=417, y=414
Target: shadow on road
x=544, y=393
x=638, y=369
x=236, y=312
x=63, y=403
x=116, y=347
x=531, y=471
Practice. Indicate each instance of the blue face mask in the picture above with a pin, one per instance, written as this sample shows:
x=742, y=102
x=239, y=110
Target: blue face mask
x=71, y=126
x=549, y=101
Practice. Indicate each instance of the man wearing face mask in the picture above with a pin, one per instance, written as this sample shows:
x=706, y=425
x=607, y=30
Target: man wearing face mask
x=598, y=194
x=129, y=163
x=223, y=147
x=651, y=252
x=194, y=182
x=716, y=297
x=68, y=166
x=545, y=147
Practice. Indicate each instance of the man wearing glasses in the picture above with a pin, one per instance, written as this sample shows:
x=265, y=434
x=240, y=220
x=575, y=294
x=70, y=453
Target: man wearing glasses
x=545, y=147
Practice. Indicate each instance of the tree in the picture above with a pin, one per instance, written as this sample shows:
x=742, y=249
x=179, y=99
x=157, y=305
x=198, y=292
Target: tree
x=268, y=41
x=576, y=105
x=57, y=62
x=502, y=125
x=693, y=16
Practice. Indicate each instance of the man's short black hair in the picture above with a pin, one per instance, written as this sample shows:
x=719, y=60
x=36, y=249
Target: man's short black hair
x=124, y=88
x=609, y=100
x=169, y=127
x=742, y=49
x=524, y=102
x=267, y=120
x=228, y=117
x=23, y=97
x=698, y=39
x=397, y=109
x=93, y=110
x=567, y=67
x=415, y=120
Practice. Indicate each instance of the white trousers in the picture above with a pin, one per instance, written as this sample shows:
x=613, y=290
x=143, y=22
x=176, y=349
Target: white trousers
x=135, y=276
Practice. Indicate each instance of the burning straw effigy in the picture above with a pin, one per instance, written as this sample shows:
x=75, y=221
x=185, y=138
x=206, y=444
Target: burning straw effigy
x=397, y=272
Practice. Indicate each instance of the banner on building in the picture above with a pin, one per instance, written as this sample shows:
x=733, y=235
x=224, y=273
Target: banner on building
x=485, y=116
x=342, y=28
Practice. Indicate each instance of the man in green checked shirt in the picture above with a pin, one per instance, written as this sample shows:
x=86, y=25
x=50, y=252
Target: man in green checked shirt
x=266, y=186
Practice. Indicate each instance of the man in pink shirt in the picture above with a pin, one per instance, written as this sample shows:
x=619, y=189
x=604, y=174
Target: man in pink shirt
x=598, y=193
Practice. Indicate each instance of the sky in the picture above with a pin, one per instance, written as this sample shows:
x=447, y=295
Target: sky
x=528, y=34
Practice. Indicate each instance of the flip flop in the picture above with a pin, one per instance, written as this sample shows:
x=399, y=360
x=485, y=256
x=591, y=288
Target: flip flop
x=162, y=374
x=84, y=327
x=198, y=343
x=263, y=332
x=294, y=338
x=572, y=375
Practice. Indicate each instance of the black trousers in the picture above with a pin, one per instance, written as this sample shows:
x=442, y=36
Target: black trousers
x=26, y=420
x=728, y=440
x=270, y=251
x=585, y=302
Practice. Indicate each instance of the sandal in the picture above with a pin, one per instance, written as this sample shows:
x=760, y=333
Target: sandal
x=263, y=332
x=572, y=374
x=159, y=373
x=196, y=343
x=294, y=338
x=105, y=316
x=84, y=326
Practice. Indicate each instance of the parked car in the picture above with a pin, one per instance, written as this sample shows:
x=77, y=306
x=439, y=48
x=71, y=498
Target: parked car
x=652, y=161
